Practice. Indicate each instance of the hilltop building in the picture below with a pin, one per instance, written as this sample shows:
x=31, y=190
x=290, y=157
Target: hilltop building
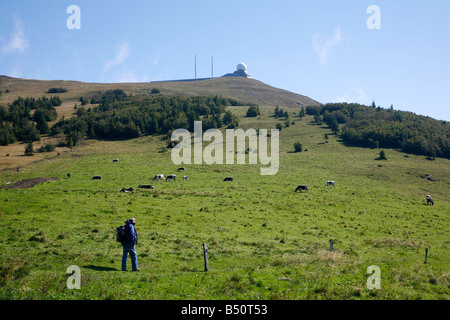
x=241, y=71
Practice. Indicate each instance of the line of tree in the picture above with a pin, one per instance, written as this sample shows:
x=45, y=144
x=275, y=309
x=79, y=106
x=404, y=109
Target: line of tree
x=122, y=116
x=376, y=127
x=280, y=113
x=17, y=123
x=57, y=90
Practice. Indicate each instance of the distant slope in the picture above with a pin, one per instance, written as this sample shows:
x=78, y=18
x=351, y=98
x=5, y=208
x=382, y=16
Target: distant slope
x=238, y=88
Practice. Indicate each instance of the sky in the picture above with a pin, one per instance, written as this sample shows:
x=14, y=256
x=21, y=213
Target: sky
x=391, y=52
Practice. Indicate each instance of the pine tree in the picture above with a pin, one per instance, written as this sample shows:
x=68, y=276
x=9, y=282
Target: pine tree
x=70, y=143
x=29, y=149
x=41, y=124
x=334, y=125
x=382, y=155
x=301, y=114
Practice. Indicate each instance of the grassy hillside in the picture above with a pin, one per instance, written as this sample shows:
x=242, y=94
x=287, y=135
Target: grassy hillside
x=264, y=241
x=243, y=89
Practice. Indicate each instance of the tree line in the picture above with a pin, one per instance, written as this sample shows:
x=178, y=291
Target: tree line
x=121, y=116
x=376, y=127
x=17, y=123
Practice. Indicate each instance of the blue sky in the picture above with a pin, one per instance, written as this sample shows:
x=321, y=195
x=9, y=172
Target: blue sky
x=322, y=49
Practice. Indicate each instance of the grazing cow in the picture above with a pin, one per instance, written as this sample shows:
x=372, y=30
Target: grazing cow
x=171, y=177
x=127, y=190
x=69, y=175
x=430, y=200
x=331, y=183
x=185, y=178
x=228, y=179
x=301, y=187
x=158, y=177
x=146, y=186
x=115, y=160
x=181, y=169
x=97, y=178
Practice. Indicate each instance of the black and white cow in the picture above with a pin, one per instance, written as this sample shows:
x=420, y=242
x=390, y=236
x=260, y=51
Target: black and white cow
x=146, y=186
x=158, y=177
x=185, y=178
x=228, y=179
x=430, y=200
x=115, y=160
x=301, y=188
x=331, y=183
x=69, y=175
x=97, y=178
x=127, y=190
x=171, y=177
x=181, y=169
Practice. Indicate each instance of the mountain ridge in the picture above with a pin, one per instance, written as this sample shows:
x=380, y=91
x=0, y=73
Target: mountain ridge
x=243, y=89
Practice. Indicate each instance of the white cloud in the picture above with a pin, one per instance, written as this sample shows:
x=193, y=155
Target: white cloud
x=358, y=96
x=323, y=47
x=18, y=41
x=119, y=71
x=122, y=54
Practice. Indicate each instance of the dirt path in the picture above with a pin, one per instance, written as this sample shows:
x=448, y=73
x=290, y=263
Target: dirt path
x=27, y=183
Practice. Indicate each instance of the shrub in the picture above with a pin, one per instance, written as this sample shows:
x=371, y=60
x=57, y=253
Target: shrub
x=47, y=148
x=382, y=155
x=298, y=147
x=253, y=111
x=57, y=90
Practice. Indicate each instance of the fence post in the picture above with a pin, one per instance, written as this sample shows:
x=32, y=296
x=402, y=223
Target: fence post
x=331, y=246
x=426, y=255
x=205, y=255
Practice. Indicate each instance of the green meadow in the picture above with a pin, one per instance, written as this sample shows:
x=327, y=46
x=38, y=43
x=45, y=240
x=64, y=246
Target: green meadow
x=264, y=240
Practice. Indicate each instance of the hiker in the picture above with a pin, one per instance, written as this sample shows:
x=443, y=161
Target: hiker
x=131, y=238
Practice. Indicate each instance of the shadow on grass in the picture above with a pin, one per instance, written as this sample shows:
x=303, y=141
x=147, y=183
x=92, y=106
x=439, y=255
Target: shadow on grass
x=100, y=268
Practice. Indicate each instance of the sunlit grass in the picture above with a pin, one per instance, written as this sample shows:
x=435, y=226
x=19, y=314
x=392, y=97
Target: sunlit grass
x=264, y=241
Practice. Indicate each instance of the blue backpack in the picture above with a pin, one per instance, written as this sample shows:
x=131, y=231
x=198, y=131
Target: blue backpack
x=120, y=234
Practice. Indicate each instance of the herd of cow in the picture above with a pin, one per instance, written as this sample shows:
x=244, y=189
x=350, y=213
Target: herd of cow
x=302, y=187
x=173, y=177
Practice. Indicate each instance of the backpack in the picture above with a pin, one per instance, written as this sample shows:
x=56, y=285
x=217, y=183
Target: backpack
x=120, y=234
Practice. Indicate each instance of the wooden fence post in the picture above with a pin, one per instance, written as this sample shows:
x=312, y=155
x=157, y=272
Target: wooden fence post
x=331, y=246
x=426, y=255
x=205, y=255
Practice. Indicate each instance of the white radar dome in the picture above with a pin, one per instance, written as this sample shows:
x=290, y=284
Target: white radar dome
x=241, y=66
